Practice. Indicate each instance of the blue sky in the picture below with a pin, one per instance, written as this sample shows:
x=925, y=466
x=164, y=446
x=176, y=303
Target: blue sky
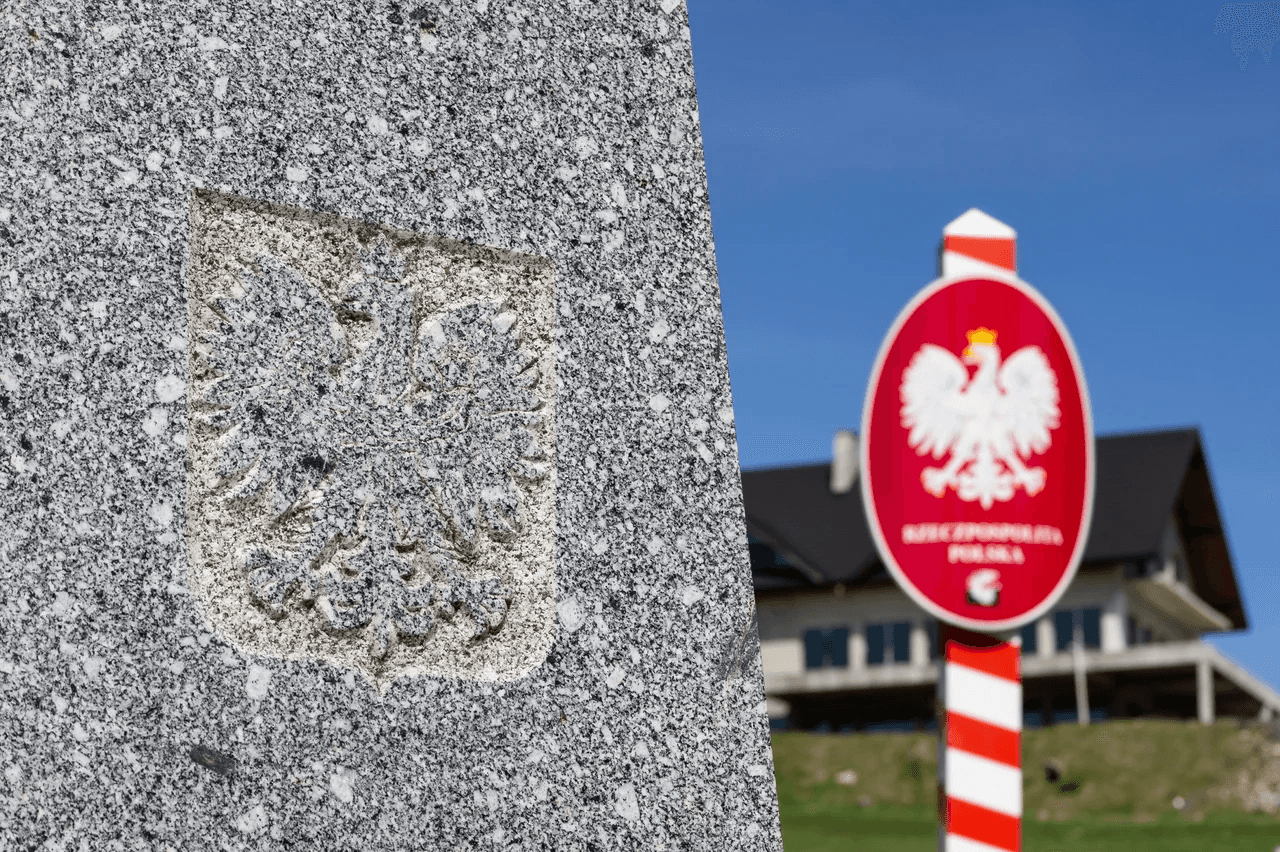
x=1138, y=162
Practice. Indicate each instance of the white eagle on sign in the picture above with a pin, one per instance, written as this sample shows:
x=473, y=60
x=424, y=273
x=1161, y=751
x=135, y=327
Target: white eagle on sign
x=989, y=423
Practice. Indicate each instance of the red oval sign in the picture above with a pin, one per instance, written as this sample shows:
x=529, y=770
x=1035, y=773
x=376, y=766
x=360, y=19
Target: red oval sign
x=977, y=453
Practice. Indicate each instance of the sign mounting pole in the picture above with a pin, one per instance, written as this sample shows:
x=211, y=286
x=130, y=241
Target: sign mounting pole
x=977, y=478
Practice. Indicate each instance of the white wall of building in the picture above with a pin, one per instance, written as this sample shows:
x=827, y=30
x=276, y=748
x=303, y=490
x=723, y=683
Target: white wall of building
x=784, y=619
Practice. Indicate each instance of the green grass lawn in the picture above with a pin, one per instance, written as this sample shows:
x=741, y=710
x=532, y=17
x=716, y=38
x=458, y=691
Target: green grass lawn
x=1116, y=793
x=894, y=828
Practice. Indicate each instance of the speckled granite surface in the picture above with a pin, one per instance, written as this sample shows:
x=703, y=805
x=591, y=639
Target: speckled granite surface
x=352, y=692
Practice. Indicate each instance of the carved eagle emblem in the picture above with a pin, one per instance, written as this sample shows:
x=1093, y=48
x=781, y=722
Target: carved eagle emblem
x=374, y=446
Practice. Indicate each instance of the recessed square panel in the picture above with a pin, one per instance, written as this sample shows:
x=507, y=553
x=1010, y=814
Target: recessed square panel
x=370, y=441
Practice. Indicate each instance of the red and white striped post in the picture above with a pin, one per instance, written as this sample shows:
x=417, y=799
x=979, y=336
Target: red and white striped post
x=980, y=690
x=980, y=752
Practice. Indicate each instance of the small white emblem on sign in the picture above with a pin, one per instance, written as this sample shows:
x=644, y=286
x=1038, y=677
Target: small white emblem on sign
x=989, y=423
x=982, y=587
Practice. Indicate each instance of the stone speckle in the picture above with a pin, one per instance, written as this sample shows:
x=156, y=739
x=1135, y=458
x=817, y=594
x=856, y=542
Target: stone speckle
x=485, y=106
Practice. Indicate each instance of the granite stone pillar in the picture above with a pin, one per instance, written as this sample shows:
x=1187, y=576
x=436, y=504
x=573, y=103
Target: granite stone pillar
x=369, y=474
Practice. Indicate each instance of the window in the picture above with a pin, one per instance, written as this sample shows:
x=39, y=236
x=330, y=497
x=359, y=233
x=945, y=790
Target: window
x=875, y=644
x=935, y=639
x=826, y=649
x=1088, y=620
x=901, y=642
x=1091, y=621
x=1029, y=638
x=1136, y=634
x=888, y=642
x=1063, y=629
x=763, y=556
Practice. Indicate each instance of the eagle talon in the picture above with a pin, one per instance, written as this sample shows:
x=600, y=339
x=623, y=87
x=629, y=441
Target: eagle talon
x=1033, y=481
x=934, y=480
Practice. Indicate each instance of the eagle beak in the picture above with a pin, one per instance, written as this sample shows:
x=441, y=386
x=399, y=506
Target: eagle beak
x=967, y=353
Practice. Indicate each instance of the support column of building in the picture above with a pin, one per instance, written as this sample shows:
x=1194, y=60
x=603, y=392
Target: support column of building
x=919, y=643
x=1045, y=638
x=1114, y=615
x=857, y=647
x=1204, y=692
x=1082, y=682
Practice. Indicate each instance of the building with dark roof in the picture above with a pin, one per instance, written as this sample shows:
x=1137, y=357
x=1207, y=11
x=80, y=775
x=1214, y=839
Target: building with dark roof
x=844, y=648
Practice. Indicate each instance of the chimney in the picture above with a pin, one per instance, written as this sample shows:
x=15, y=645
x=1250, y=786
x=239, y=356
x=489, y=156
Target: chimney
x=844, y=462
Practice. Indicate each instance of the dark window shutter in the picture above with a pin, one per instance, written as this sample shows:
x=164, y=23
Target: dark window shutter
x=1092, y=623
x=813, y=649
x=901, y=642
x=875, y=644
x=1063, y=625
x=1029, y=638
x=838, y=647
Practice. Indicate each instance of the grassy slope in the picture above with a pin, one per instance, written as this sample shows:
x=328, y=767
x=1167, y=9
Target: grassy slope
x=885, y=828
x=1127, y=775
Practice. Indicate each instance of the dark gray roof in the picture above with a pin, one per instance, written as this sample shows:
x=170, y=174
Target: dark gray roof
x=803, y=536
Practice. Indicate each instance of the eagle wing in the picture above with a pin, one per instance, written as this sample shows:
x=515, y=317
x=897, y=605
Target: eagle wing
x=1028, y=408
x=932, y=390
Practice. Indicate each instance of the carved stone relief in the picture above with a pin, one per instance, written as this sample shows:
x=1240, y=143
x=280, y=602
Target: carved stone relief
x=370, y=439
